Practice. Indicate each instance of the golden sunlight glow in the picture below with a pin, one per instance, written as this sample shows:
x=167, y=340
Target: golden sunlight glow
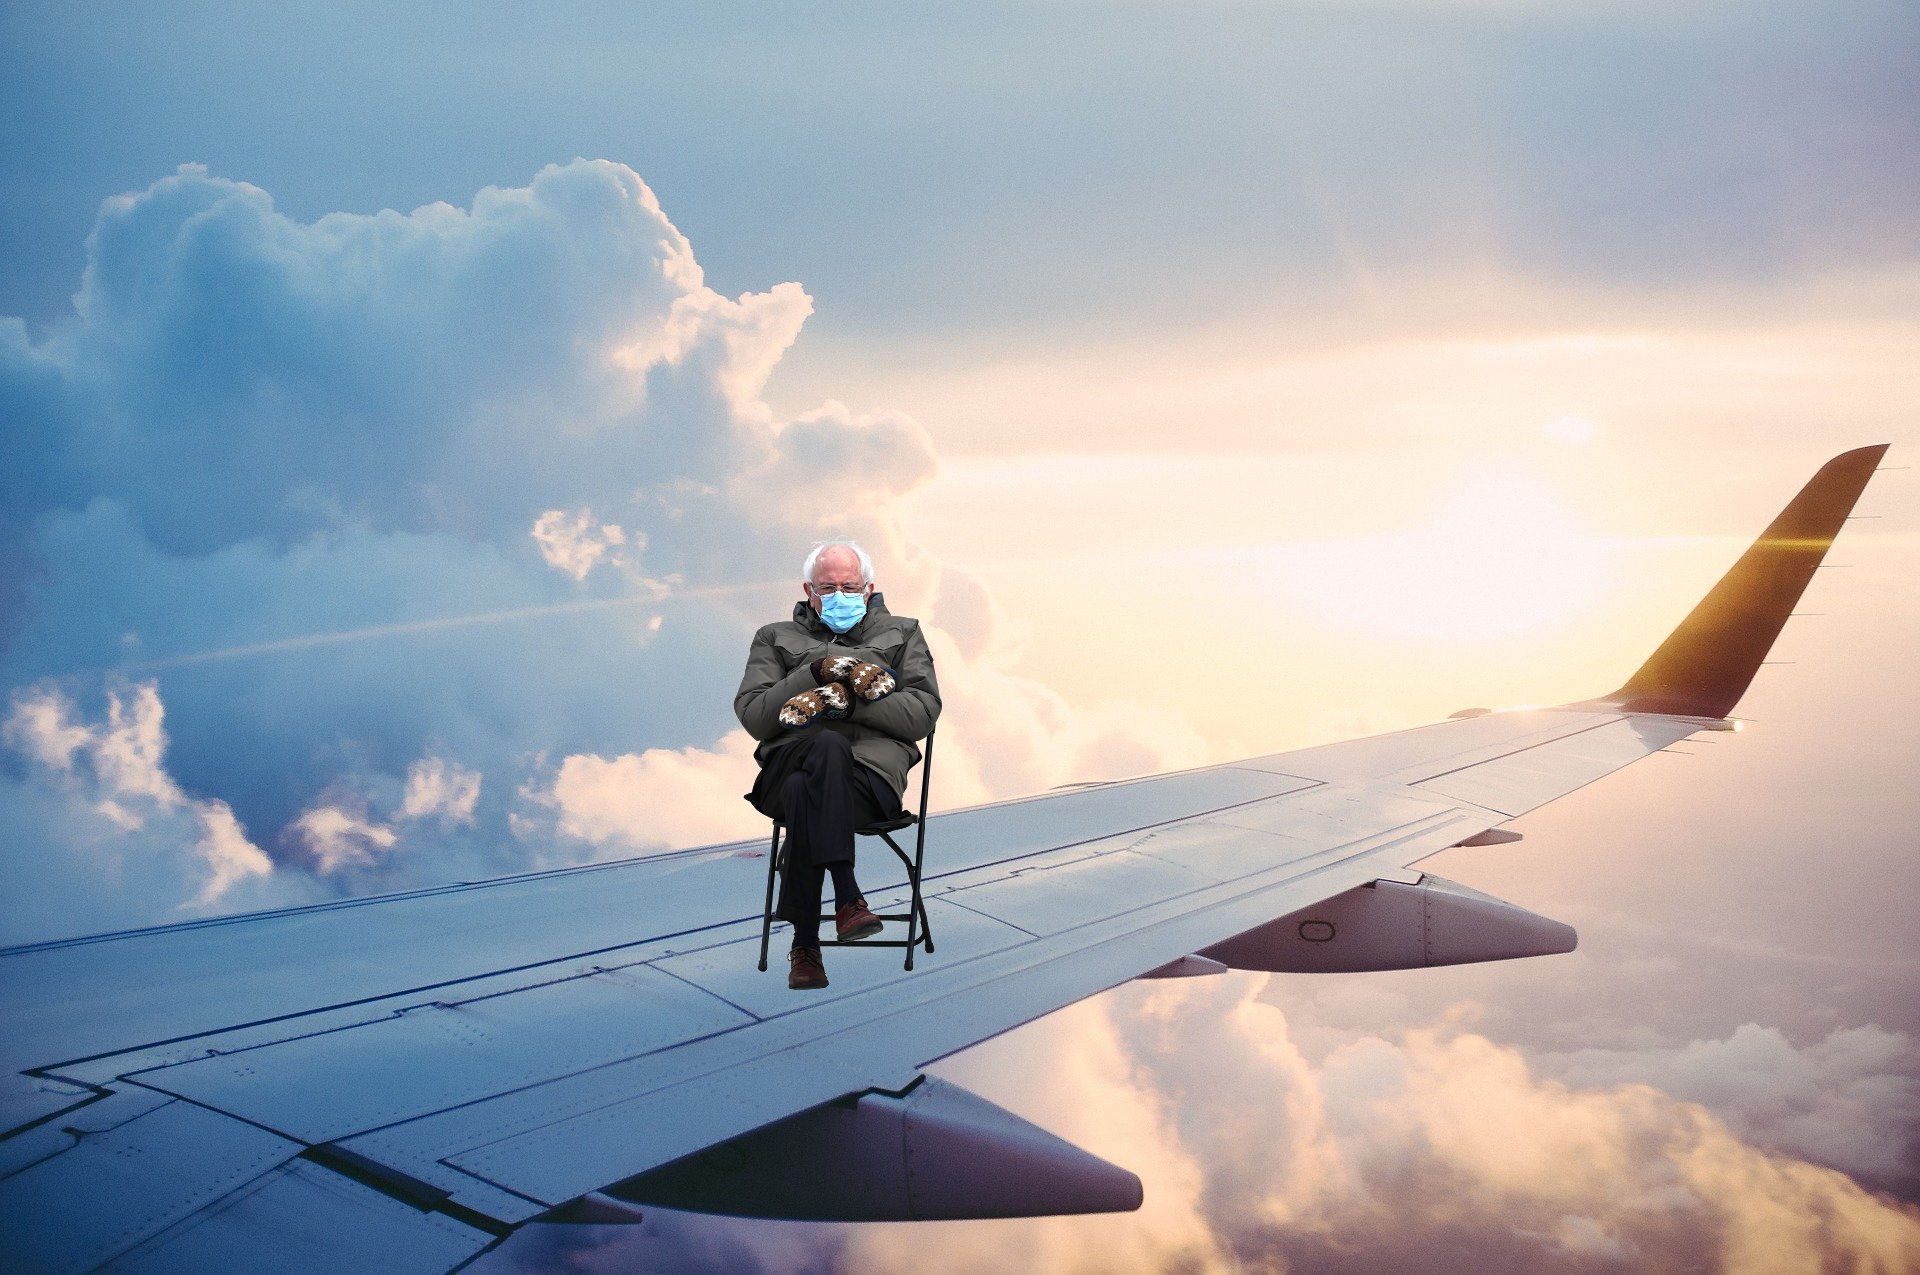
x=1291, y=507
x=1506, y=558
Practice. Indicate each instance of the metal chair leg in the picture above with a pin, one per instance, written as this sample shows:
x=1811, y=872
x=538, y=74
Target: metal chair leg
x=916, y=905
x=920, y=847
x=766, y=911
x=915, y=915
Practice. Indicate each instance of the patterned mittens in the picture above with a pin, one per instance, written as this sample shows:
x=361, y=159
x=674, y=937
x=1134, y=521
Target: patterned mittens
x=828, y=702
x=833, y=668
x=869, y=681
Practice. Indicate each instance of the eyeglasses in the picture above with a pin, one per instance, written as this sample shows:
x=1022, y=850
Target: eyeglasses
x=839, y=588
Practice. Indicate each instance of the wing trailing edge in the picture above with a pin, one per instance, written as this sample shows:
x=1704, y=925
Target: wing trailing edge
x=1707, y=663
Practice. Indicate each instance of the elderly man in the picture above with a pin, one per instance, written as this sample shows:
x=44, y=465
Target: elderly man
x=836, y=696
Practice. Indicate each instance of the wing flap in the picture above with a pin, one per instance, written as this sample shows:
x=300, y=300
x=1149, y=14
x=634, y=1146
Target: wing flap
x=426, y=1058
x=111, y=1189
x=309, y=1219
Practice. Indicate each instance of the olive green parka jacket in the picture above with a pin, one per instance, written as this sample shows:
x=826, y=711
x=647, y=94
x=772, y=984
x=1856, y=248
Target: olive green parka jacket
x=882, y=731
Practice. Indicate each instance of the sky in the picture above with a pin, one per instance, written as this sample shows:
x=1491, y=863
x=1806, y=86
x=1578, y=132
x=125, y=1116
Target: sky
x=408, y=417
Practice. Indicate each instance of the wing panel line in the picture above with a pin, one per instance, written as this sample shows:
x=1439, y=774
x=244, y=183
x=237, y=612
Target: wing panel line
x=1221, y=895
x=1512, y=752
x=45, y=1068
x=1078, y=947
x=657, y=964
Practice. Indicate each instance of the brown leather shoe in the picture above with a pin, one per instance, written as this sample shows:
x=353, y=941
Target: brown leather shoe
x=804, y=970
x=854, y=921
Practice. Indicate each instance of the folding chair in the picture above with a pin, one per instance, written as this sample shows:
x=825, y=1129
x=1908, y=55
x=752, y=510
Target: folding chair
x=919, y=934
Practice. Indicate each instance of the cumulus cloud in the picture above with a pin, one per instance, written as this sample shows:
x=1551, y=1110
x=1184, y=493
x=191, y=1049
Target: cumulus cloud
x=440, y=788
x=1438, y=1137
x=656, y=799
x=1847, y=1097
x=339, y=838
x=1849, y=1100
x=1433, y=1147
x=38, y=727
x=371, y=489
x=570, y=544
x=97, y=827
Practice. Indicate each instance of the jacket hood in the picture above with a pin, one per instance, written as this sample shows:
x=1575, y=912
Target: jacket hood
x=805, y=616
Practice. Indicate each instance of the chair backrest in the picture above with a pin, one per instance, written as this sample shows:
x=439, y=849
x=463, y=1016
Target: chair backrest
x=926, y=773
x=904, y=820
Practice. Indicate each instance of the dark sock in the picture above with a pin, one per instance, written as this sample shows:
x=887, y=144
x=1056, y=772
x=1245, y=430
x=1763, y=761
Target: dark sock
x=805, y=935
x=845, y=889
x=806, y=925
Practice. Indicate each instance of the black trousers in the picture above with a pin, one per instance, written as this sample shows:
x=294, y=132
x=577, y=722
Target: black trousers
x=811, y=782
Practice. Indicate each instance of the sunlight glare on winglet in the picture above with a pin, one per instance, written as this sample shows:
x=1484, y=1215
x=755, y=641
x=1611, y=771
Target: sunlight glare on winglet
x=1707, y=663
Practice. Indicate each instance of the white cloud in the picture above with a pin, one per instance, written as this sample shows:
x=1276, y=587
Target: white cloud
x=570, y=544
x=1849, y=1100
x=436, y=786
x=224, y=846
x=339, y=838
x=658, y=799
x=832, y=464
x=37, y=725
x=1437, y=1134
x=101, y=830
x=128, y=753
x=364, y=428
x=1433, y=1147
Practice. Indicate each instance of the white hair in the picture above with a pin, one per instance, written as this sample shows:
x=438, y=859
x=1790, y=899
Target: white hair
x=813, y=557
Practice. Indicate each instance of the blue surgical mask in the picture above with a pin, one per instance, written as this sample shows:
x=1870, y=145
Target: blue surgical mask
x=842, y=611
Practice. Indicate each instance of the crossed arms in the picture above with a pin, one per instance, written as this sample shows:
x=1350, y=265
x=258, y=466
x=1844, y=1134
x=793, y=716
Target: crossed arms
x=906, y=713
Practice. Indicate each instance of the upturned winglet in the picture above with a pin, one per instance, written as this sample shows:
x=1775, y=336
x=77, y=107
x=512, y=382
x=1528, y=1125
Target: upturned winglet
x=1705, y=665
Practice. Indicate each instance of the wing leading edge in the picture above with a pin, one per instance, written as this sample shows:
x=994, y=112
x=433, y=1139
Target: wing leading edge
x=425, y=1072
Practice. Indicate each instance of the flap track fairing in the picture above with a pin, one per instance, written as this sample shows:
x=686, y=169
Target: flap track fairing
x=933, y=1152
x=1394, y=925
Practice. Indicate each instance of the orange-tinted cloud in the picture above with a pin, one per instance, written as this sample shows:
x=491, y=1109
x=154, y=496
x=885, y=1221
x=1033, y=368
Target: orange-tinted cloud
x=1429, y=1148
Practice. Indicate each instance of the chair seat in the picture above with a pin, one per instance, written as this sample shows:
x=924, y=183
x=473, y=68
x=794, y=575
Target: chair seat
x=905, y=819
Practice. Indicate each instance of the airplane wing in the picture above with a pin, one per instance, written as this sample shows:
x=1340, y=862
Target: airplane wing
x=398, y=1082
